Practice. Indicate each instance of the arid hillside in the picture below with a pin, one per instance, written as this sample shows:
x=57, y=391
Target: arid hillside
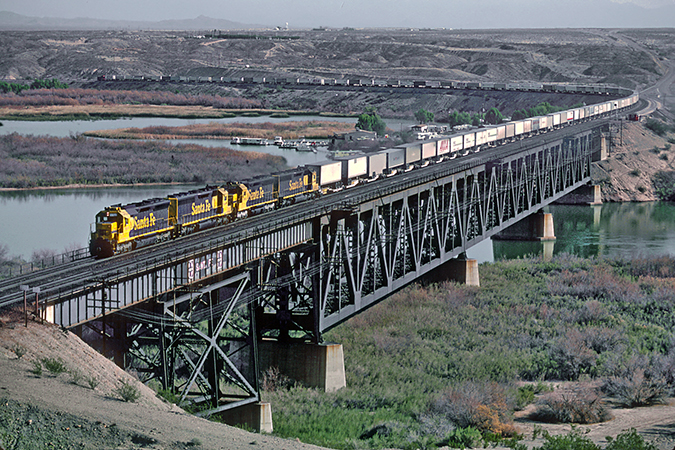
x=578, y=56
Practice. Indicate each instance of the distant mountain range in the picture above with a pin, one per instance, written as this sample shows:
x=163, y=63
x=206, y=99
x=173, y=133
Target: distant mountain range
x=13, y=21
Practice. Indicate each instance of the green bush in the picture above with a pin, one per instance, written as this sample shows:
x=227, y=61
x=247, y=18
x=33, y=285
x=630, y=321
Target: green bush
x=92, y=382
x=129, y=392
x=629, y=440
x=54, y=365
x=37, y=369
x=19, y=350
x=571, y=441
x=657, y=127
x=463, y=438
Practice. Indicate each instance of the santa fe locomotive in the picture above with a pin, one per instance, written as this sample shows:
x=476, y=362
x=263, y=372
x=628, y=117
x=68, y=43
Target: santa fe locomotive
x=122, y=228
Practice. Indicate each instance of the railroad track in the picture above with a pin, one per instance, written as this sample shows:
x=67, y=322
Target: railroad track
x=74, y=276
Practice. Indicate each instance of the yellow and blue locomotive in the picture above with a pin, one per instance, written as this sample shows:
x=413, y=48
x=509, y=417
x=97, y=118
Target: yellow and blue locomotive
x=123, y=228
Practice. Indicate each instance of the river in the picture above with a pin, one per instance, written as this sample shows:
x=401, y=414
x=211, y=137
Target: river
x=59, y=219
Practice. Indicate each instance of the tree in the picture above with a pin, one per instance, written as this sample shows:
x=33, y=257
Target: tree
x=458, y=118
x=493, y=116
x=519, y=114
x=370, y=121
x=424, y=116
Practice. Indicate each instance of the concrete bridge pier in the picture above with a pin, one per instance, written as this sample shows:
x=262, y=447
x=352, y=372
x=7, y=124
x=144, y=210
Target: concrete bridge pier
x=461, y=269
x=257, y=416
x=536, y=227
x=584, y=195
x=320, y=366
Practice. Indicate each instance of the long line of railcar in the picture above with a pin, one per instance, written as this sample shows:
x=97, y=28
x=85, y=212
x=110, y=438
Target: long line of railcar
x=122, y=228
x=599, y=89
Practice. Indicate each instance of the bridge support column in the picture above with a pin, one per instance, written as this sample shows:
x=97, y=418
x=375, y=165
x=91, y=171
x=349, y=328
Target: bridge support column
x=536, y=227
x=603, y=152
x=315, y=365
x=257, y=416
x=585, y=195
x=461, y=269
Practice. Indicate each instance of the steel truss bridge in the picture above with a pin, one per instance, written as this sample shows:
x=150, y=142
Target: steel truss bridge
x=190, y=313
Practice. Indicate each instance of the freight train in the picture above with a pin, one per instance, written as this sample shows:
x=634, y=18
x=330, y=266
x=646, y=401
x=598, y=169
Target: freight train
x=595, y=89
x=122, y=228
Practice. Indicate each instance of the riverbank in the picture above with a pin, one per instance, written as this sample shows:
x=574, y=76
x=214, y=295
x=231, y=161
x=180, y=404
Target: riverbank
x=264, y=130
x=98, y=112
x=92, y=186
x=36, y=162
x=637, y=154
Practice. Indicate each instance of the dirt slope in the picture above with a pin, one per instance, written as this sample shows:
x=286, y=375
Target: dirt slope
x=56, y=403
x=636, y=155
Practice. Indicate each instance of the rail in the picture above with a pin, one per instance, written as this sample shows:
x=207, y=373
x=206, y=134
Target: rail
x=9, y=270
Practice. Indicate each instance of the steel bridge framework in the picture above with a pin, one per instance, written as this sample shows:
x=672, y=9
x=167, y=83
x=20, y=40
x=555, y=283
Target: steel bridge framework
x=192, y=322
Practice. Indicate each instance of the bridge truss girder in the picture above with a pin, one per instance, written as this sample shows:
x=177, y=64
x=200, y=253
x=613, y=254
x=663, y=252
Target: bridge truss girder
x=200, y=341
x=374, y=248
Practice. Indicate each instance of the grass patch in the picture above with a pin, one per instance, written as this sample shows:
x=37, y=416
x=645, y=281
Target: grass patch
x=459, y=350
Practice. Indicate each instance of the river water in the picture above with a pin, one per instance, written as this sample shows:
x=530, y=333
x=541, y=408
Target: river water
x=60, y=219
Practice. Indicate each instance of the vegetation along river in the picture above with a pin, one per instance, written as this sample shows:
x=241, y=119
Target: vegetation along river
x=60, y=219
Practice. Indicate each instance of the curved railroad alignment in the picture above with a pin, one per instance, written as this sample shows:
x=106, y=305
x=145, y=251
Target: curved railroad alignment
x=73, y=276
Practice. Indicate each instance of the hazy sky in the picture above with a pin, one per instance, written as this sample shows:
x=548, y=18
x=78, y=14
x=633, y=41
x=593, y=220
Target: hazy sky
x=365, y=13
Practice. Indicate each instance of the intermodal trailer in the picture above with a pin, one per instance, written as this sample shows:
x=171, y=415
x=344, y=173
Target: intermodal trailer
x=443, y=146
x=412, y=152
x=377, y=164
x=456, y=145
x=395, y=159
x=510, y=130
x=354, y=168
x=328, y=173
x=469, y=140
x=428, y=150
x=481, y=137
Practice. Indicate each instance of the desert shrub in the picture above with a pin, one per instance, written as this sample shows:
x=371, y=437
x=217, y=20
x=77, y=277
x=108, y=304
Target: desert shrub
x=76, y=377
x=640, y=382
x=54, y=365
x=129, y=392
x=636, y=389
x=635, y=172
x=483, y=406
x=657, y=126
x=463, y=438
x=592, y=312
x=629, y=440
x=19, y=350
x=37, y=368
x=573, y=440
x=664, y=185
x=579, y=405
x=572, y=356
x=168, y=395
x=273, y=380
x=92, y=382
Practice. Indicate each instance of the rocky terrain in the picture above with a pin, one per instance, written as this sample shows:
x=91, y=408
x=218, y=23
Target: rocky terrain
x=66, y=408
x=629, y=58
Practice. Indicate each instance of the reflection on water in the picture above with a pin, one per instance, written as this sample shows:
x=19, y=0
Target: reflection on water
x=54, y=219
x=611, y=229
x=59, y=218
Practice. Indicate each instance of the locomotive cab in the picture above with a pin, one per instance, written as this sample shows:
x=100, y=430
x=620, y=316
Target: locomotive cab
x=106, y=231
